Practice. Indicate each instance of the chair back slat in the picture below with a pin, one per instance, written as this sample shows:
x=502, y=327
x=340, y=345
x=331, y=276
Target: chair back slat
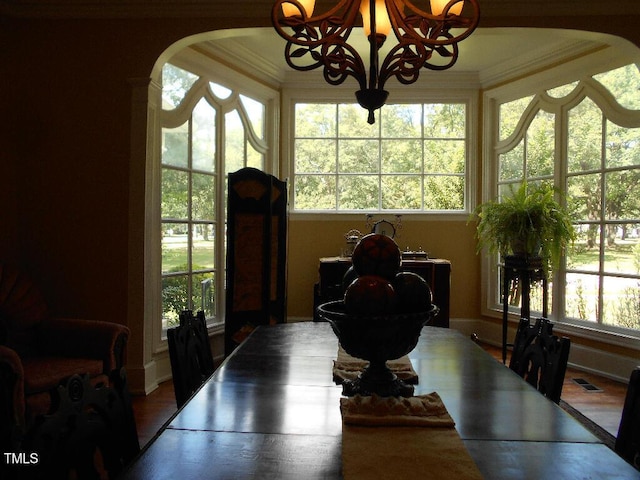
x=190, y=355
x=540, y=357
x=628, y=439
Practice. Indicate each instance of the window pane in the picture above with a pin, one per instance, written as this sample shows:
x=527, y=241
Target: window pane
x=255, y=112
x=358, y=192
x=619, y=205
x=203, y=197
x=315, y=192
x=401, y=157
x=444, y=120
x=175, y=194
x=175, y=146
x=203, y=137
x=622, y=249
x=581, y=296
x=203, y=246
x=585, y=137
x=511, y=163
x=510, y=114
x=176, y=82
x=220, y=91
x=622, y=146
x=621, y=302
x=401, y=121
x=203, y=296
x=254, y=158
x=624, y=84
x=175, y=247
x=585, y=255
x=352, y=122
x=583, y=198
x=315, y=120
x=315, y=156
x=234, y=142
x=401, y=192
x=175, y=298
x=562, y=91
x=541, y=145
x=445, y=156
x=358, y=156
x=443, y=193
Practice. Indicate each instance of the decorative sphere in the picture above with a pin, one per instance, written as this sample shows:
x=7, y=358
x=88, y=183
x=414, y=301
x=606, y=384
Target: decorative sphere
x=376, y=254
x=370, y=294
x=412, y=292
x=349, y=276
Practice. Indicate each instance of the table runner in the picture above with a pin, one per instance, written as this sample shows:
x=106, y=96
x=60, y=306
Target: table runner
x=346, y=367
x=415, y=438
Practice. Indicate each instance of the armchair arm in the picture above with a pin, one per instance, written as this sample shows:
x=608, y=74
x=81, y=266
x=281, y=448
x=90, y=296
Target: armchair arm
x=85, y=338
x=11, y=398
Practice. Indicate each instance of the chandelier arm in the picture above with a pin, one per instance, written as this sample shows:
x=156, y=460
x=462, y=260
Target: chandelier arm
x=404, y=62
x=329, y=25
x=341, y=62
x=321, y=40
x=429, y=29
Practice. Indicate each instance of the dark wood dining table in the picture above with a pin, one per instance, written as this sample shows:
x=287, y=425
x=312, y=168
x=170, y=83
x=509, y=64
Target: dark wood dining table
x=271, y=410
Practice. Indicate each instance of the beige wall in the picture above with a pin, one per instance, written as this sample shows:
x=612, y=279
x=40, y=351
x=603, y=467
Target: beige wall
x=310, y=240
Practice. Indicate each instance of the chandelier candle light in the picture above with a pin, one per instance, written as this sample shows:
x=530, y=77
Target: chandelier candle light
x=424, y=39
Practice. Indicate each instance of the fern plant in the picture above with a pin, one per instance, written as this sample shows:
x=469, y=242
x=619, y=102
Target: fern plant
x=529, y=221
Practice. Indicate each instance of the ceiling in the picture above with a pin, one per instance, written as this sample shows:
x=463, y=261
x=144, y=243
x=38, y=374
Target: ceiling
x=488, y=52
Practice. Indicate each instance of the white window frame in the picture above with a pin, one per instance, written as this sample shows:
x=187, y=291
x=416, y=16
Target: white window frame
x=467, y=93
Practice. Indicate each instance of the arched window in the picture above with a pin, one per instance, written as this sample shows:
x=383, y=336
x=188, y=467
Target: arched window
x=210, y=126
x=584, y=138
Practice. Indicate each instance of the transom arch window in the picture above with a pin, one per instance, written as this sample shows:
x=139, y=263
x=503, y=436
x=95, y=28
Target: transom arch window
x=584, y=138
x=208, y=129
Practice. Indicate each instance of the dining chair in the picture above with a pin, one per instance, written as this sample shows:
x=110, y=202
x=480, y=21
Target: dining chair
x=190, y=355
x=628, y=439
x=91, y=433
x=540, y=357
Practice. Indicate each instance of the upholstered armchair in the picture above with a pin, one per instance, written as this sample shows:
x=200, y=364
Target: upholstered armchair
x=38, y=352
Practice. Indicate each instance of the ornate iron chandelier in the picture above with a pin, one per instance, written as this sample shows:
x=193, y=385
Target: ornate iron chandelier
x=428, y=40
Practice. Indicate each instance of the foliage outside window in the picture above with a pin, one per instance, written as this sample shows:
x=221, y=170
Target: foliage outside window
x=208, y=130
x=413, y=159
x=597, y=168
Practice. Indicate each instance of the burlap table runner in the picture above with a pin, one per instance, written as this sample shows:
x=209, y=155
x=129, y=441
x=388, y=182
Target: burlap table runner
x=404, y=438
x=346, y=367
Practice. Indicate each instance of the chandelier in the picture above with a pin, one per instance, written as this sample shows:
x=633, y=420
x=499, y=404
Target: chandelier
x=424, y=39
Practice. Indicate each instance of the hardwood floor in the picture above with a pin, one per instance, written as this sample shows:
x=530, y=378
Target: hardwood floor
x=603, y=406
x=153, y=410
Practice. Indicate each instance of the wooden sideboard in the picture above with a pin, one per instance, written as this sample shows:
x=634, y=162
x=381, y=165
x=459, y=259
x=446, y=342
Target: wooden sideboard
x=437, y=273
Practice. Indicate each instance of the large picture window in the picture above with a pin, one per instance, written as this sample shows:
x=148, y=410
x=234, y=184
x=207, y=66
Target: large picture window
x=584, y=138
x=414, y=158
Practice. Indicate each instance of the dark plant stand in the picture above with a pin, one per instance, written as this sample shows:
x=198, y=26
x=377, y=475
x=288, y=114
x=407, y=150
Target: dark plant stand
x=524, y=269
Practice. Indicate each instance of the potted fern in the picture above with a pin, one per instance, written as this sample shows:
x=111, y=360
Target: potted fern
x=528, y=222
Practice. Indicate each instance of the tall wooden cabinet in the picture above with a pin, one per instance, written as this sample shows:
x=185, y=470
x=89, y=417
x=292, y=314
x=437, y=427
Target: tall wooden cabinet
x=256, y=253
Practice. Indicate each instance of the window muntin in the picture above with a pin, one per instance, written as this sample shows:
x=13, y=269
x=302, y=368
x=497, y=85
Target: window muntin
x=413, y=159
x=597, y=169
x=207, y=128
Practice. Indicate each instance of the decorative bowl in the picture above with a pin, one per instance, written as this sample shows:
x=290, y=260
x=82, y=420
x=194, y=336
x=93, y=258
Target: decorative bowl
x=376, y=338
